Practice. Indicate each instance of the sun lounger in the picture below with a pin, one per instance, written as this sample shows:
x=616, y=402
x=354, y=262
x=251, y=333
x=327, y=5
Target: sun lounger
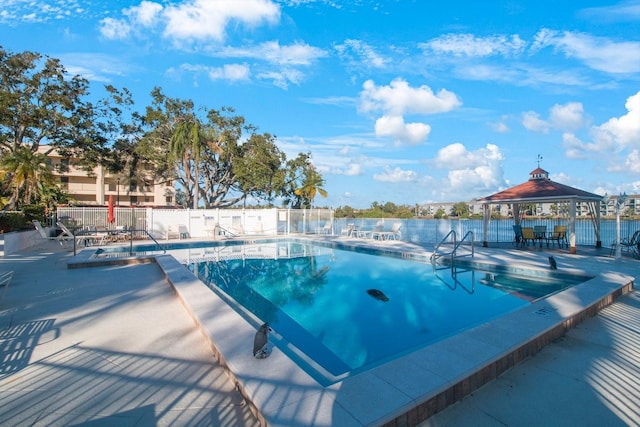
x=393, y=234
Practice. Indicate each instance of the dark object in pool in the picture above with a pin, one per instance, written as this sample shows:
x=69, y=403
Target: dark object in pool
x=552, y=263
x=378, y=294
x=261, y=342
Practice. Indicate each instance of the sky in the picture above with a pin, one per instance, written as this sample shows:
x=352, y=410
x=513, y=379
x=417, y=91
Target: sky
x=402, y=101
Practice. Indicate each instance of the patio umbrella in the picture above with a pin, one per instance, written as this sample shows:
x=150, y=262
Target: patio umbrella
x=111, y=215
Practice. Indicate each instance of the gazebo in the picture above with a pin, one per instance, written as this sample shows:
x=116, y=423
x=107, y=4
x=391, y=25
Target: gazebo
x=540, y=189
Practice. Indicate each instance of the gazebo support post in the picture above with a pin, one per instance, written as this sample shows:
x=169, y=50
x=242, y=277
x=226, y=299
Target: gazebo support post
x=572, y=227
x=486, y=216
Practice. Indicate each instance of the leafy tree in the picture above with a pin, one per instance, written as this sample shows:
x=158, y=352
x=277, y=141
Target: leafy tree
x=440, y=213
x=460, y=209
x=260, y=170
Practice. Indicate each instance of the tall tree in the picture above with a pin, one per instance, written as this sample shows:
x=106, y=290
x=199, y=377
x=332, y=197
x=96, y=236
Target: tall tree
x=25, y=170
x=304, y=182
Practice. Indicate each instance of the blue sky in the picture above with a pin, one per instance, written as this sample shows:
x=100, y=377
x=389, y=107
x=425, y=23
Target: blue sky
x=397, y=101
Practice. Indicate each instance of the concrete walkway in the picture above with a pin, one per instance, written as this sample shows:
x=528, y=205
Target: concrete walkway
x=589, y=377
x=104, y=346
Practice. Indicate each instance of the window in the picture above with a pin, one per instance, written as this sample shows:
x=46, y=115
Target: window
x=168, y=199
x=65, y=182
x=133, y=185
x=134, y=200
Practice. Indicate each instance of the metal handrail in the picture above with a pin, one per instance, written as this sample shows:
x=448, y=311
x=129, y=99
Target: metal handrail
x=148, y=235
x=455, y=249
x=434, y=255
x=130, y=231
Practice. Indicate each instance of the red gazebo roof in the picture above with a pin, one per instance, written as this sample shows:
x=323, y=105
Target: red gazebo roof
x=540, y=188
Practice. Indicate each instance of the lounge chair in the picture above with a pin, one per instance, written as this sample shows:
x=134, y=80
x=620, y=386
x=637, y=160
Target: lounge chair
x=67, y=235
x=348, y=230
x=559, y=236
x=393, y=234
x=368, y=234
x=5, y=279
x=325, y=229
x=61, y=238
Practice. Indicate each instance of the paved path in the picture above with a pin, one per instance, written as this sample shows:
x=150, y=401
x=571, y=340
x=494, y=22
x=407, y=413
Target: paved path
x=104, y=346
x=589, y=377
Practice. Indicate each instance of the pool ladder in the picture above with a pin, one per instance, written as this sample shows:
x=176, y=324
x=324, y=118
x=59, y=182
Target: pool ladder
x=436, y=255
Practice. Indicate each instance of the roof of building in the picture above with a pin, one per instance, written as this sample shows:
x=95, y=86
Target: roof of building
x=539, y=188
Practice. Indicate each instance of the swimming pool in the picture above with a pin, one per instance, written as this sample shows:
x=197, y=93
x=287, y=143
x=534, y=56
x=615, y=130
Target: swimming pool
x=337, y=312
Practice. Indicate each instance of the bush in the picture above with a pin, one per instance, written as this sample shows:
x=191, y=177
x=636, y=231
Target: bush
x=12, y=221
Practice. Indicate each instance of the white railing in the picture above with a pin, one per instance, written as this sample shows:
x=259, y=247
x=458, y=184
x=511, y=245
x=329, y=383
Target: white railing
x=203, y=223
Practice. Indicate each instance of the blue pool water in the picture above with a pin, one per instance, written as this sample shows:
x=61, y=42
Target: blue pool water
x=338, y=311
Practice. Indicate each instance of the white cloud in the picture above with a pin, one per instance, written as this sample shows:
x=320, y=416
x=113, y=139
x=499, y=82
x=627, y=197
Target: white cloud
x=115, y=29
x=395, y=175
x=471, y=172
x=294, y=54
x=282, y=78
x=532, y=121
x=146, y=14
x=398, y=98
x=229, y=72
x=361, y=53
x=394, y=126
x=193, y=20
x=615, y=142
x=472, y=46
x=567, y=117
x=599, y=53
x=208, y=19
x=624, y=130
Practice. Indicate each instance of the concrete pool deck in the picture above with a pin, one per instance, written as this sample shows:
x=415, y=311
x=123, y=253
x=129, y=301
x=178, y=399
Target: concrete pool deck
x=108, y=344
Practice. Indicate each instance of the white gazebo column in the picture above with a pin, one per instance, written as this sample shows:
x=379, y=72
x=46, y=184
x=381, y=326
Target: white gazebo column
x=572, y=226
x=486, y=216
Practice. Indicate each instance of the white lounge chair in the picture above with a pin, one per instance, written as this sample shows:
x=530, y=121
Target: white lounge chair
x=348, y=230
x=61, y=238
x=67, y=235
x=392, y=234
x=325, y=229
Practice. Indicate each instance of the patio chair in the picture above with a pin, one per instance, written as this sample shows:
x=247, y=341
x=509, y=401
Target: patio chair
x=518, y=240
x=559, y=236
x=540, y=233
x=183, y=232
x=528, y=236
x=632, y=245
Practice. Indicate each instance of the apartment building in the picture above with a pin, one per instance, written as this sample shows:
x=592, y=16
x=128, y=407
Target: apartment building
x=94, y=188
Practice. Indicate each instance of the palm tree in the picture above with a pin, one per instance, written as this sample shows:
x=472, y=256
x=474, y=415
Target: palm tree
x=25, y=172
x=311, y=186
x=186, y=145
x=189, y=139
